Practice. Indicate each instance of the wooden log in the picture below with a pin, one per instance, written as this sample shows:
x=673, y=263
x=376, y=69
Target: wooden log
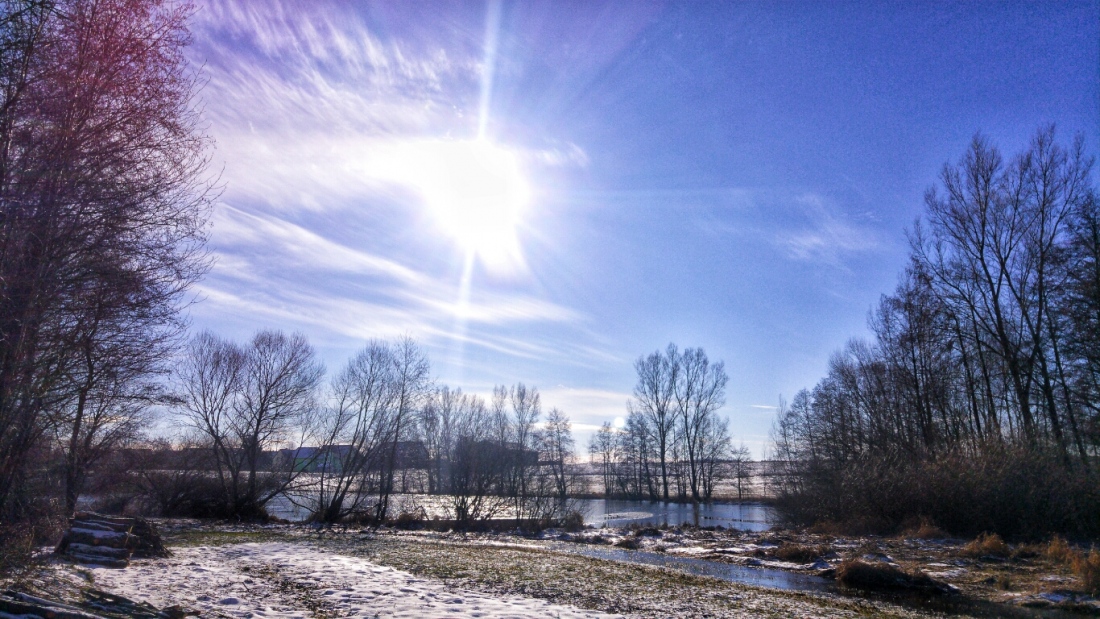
x=103, y=551
x=99, y=538
x=98, y=559
x=18, y=604
x=97, y=526
x=114, y=524
x=118, y=520
x=116, y=605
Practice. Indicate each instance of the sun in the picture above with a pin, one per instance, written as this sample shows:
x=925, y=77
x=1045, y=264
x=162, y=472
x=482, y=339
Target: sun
x=476, y=191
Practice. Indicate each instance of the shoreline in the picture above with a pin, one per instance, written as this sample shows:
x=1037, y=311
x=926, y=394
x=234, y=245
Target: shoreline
x=514, y=568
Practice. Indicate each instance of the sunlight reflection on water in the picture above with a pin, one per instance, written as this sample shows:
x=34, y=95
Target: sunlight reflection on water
x=597, y=512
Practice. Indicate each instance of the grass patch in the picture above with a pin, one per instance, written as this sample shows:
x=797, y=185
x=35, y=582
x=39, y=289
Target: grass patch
x=220, y=538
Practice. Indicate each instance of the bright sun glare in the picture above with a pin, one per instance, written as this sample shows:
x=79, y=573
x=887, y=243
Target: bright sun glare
x=476, y=190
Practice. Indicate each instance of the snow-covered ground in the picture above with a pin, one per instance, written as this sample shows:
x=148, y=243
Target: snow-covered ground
x=288, y=580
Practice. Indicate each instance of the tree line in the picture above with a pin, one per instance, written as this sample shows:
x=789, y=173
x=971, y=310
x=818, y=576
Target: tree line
x=104, y=198
x=977, y=402
x=673, y=444
x=257, y=423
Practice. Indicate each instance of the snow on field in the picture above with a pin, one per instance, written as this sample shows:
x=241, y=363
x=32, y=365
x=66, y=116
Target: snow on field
x=286, y=580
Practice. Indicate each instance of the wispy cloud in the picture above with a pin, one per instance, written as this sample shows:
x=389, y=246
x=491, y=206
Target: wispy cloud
x=296, y=244
x=302, y=101
x=586, y=406
x=820, y=232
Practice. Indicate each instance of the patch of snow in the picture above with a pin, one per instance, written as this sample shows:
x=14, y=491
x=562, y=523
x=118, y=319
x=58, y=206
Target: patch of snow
x=689, y=550
x=1056, y=598
x=99, y=534
x=249, y=580
x=955, y=573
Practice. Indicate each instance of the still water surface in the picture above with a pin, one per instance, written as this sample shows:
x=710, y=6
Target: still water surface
x=597, y=512
x=757, y=576
x=616, y=513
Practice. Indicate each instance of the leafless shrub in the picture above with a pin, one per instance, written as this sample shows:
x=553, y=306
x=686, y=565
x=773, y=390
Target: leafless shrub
x=573, y=521
x=630, y=543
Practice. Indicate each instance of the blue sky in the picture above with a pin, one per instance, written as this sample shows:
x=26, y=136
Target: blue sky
x=542, y=192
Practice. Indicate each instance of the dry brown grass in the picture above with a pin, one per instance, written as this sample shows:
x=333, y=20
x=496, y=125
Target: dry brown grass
x=800, y=553
x=986, y=544
x=1058, y=550
x=16, y=550
x=859, y=574
x=1087, y=568
x=629, y=543
x=925, y=529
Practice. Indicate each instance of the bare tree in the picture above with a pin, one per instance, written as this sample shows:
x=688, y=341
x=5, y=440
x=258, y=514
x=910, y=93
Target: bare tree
x=102, y=202
x=636, y=475
x=474, y=462
x=602, y=451
x=558, y=447
x=741, y=459
x=411, y=387
x=246, y=401
x=699, y=392
x=357, y=432
x=654, y=398
x=526, y=407
x=982, y=365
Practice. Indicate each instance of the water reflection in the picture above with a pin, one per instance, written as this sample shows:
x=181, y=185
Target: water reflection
x=760, y=577
x=616, y=513
x=597, y=512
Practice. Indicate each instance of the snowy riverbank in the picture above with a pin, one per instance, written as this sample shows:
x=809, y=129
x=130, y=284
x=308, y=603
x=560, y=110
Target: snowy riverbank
x=289, y=580
x=288, y=571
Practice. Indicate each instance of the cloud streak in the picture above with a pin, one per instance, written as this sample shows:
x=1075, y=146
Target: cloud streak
x=301, y=100
x=822, y=234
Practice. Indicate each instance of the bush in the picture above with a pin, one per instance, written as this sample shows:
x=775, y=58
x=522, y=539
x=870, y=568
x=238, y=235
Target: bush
x=16, y=549
x=629, y=543
x=573, y=521
x=986, y=544
x=410, y=520
x=1017, y=492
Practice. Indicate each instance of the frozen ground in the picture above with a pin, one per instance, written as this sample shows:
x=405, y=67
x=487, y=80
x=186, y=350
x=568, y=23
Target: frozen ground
x=250, y=571
x=292, y=580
